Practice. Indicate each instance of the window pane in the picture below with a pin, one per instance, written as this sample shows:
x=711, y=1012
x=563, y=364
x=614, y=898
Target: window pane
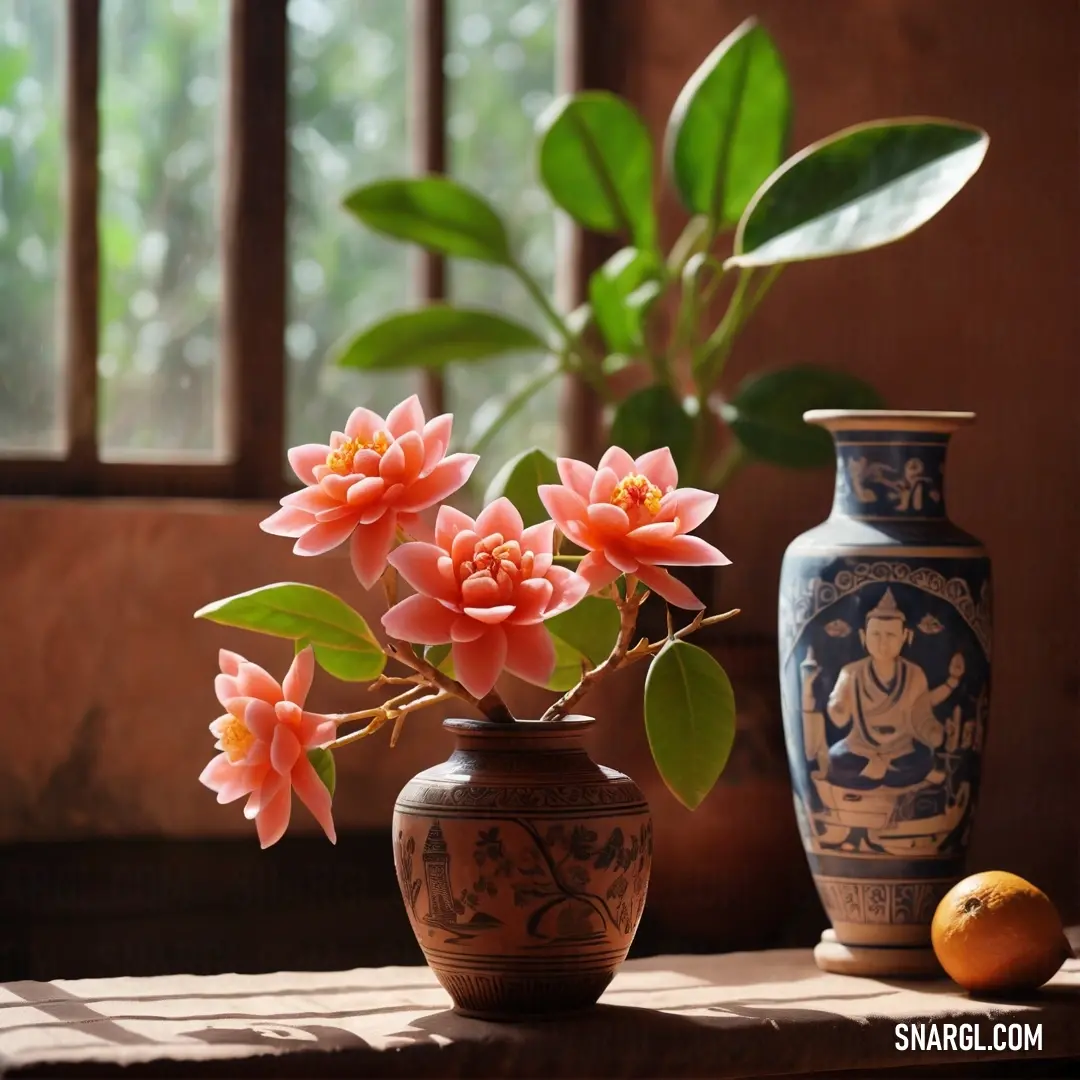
x=347, y=102
x=30, y=179
x=500, y=67
x=161, y=106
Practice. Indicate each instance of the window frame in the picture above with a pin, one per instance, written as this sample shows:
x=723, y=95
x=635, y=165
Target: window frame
x=254, y=201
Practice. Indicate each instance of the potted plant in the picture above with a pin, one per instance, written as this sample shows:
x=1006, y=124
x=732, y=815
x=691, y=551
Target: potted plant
x=655, y=337
x=523, y=865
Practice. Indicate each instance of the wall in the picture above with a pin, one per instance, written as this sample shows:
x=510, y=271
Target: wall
x=108, y=683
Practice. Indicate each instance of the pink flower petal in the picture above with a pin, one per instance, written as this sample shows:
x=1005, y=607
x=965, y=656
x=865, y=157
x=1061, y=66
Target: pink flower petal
x=608, y=522
x=530, y=653
x=314, y=796
x=271, y=784
x=564, y=505
x=226, y=688
x=597, y=572
x=284, y=750
x=603, y=486
x=684, y=551
x=229, y=662
x=539, y=539
x=477, y=664
x=576, y=475
x=218, y=772
x=370, y=547
x=420, y=620
x=365, y=492
x=324, y=537
x=465, y=629
x=500, y=517
x=531, y=600
x=337, y=487
x=436, y=437
x=542, y=561
x=464, y=545
x=315, y=730
x=670, y=588
x=304, y=458
x=449, y=523
x=260, y=719
x=363, y=423
x=568, y=589
x=273, y=817
x=657, y=534
x=620, y=557
x=659, y=467
x=491, y=616
x=297, y=680
x=392, y=465
x=692, y=507
x=444, y=479
x=288, y=521
x=412, y=446
x=254, y=681
x=480, y=590
x=311, y=499
x=408, y=416
x=618, y=460
x=427, y=569
x=366, y=462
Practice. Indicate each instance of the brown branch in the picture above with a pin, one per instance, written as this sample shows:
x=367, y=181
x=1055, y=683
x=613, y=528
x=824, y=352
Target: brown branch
x=628, y=615
x=386, y=713
x=491, y=705
x=650, y=648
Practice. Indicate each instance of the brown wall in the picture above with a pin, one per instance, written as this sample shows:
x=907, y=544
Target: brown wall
x=978, y=311
x=107, y=686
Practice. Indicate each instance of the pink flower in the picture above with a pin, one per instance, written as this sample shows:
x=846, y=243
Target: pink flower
x=263, y=738
x=632, y=518
x=486, y=586
x=371, y=478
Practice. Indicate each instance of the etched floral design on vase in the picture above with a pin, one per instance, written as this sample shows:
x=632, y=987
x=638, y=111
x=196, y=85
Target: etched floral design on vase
x=524, y=867
x=885, y=642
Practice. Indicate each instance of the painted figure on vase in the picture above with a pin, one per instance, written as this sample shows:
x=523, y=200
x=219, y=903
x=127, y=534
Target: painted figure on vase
x=886, y=706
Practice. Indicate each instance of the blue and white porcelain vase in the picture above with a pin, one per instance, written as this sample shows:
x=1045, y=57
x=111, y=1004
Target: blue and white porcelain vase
x=885, y=674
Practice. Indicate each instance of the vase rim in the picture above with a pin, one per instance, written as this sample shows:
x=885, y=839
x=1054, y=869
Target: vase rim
x=888, y=419
x=573, y=724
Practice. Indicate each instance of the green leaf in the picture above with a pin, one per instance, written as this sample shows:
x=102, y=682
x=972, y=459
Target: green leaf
x=495, y=412
x=610, y=289
x=568, y=666
x=439, y=656
x=435, y=212
x=651, y=418
x=323, y=762
x=343, y=644
x=858, y=189
x=689, y=719
x=596, y=161
x=518, y=480
x=435, y=335
x=590, y=627
x=729, y=128
x=766, y=413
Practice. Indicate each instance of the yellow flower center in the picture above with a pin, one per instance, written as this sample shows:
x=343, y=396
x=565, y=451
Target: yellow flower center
x=235, y=739
x=340, y=460
x=637, y=490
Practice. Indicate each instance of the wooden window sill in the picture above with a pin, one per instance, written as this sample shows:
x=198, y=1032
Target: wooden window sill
x=736, y=1015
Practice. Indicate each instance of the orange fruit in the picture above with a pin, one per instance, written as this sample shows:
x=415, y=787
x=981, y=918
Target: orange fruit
x=994, y=932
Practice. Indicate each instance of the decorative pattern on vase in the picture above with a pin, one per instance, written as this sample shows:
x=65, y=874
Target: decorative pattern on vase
x=524, y=896
x=885, y=477
x=885, y=641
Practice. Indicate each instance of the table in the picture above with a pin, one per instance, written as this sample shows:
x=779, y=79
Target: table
x=735, y=1015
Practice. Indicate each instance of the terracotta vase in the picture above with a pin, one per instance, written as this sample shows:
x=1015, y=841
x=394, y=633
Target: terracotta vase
x=524, y=867
x=885, y=669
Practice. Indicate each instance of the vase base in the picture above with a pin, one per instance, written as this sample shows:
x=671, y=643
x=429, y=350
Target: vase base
x=875, y=961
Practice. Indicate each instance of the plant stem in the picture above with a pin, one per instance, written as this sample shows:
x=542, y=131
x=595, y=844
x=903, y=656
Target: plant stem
x=491, y=705
x=628, y=615
x=517, y=401
x=385, y=714
x=650, y=648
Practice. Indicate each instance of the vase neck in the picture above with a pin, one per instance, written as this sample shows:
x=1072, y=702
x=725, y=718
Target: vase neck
x=890, y=474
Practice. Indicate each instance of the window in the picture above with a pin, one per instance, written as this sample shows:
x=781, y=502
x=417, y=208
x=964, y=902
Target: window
x=174, y=260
